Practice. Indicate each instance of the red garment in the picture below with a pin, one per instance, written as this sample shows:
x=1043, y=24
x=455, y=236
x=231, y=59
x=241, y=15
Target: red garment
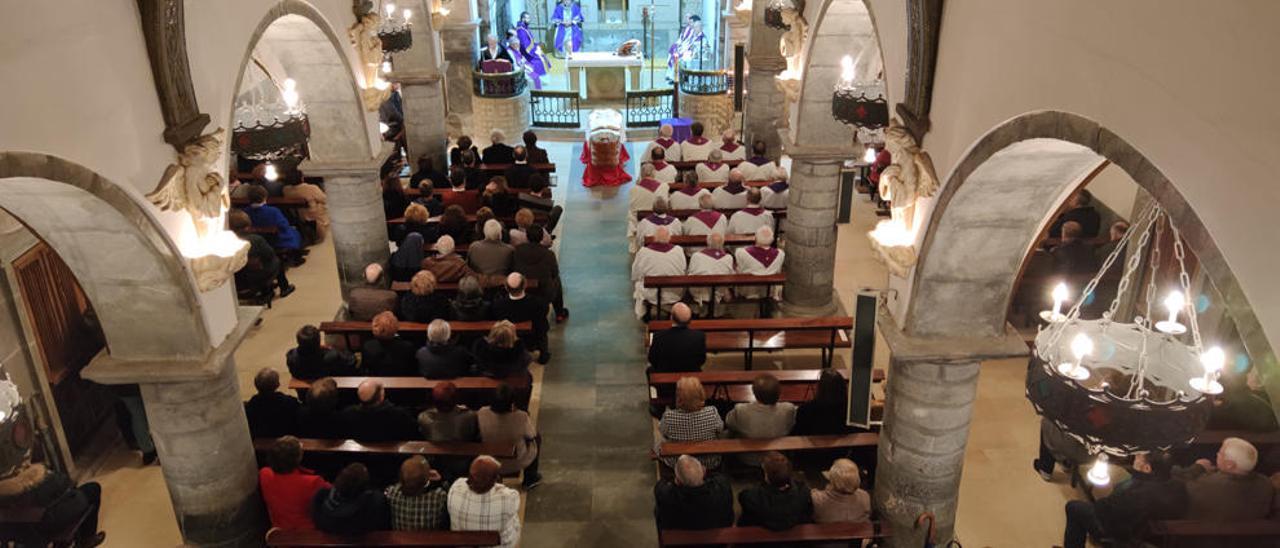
x=601, y=175
x=288, y=496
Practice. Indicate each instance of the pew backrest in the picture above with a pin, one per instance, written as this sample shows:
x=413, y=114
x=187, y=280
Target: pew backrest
x=354, y=333
x=784, y=443
x=803, y=533
x=412, y=447
x=316, y=539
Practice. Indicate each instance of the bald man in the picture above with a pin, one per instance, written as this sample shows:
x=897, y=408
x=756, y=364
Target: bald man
x=375, y=419
x=714, y=170
x=761, y=259
x=693, y=500
x=663, y=171
x=480, y=502
x=731, y=195
x=749, y=219
x=678, y=349
x=712, y=260
x=669, y=146
x=517, y=305
x=1228, y=489
x=730, y=147
x=659, y=218
x=660, y=258
x=707, y=220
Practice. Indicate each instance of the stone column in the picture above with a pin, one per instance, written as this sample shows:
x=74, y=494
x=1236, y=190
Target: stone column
x=810, y=234
x=461, y=44
x=357, y=221
x=764, y=63
x=932, y=384
x=418, y=71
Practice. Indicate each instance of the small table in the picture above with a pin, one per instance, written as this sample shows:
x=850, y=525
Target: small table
x=605, y=80
x=680, y=131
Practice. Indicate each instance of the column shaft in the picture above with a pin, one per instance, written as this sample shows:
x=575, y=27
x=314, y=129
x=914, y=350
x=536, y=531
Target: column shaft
x=424, y=114
x=206, y=455
x=358, y=223
x=763, y=104
x=811, y=237
x=461, y=50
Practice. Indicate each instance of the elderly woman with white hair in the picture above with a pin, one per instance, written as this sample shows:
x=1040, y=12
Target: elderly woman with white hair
x=714, y=170
x=499, y=152
x=441, y=358
x=712, y=260
x=447, y=265
x=491, y=258
x=761, y=259
x=843, y=500
x=659, y=258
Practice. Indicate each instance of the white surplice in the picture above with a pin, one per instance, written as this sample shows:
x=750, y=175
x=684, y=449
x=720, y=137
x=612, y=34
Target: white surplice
x=724, y=198
x=649, y=226
x=707, y=174
x=748, y=264
x=696, y=152
x=710, y=262
x=666, y=173
x=641, y=199
x=657, y=260
x=749, y=220
x=775, y=195
x=670, y=148
x=683, y=200
x=705, y=222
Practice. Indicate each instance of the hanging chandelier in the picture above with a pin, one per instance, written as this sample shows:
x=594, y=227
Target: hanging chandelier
x=272, y=130
x=860, y=104
x=1121, y=388
x=773, y=12
x=395, y=32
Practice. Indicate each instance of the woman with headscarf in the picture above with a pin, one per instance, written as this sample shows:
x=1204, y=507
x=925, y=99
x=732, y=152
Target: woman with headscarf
x=407, y=260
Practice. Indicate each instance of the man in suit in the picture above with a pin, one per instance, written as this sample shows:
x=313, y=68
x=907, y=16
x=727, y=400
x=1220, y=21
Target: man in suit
x=518, y=306
x=499, y=152
x=520, y=171
x=678, y=349
x=493, y=51
x=375, y=419
x=270, y=413
x=536, y=155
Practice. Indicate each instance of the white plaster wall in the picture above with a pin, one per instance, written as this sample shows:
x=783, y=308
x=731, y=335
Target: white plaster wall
x=1115, y=189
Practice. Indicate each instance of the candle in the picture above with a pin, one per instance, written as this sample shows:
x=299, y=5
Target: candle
x=1059, y=296
x=1173, y=303
x=1212, y=360
x=1081, y=346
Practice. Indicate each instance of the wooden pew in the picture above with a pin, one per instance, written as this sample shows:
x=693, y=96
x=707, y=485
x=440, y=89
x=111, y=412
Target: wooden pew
x=354, y=333
x=394, y=384
x=1264, y=532
x=798, y=385
x=278, y=201
x=414, y=447
x=768, y=334
x=783, y=444
x=805, y=533
x=687, y=165
x=714, y=281
x=499, y=169
x=692, y=240
x=450, y=288
x=317, y=539
x=714, y=185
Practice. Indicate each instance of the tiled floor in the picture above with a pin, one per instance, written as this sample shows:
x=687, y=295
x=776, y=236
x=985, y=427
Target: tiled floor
x=590, y=404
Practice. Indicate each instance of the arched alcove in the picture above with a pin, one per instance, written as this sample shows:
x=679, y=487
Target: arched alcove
x=839, y=28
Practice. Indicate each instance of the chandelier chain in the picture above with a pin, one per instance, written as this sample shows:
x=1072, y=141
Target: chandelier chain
x=1184, y=279
x=1137, y=388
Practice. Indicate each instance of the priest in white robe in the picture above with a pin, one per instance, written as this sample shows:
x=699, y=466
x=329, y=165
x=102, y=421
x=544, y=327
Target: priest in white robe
x=714, y=170
x=664, y=141
x=761, y=259
x=706, y=221
x=775, y=195
x=712, y=260
x=661, y=217
x=749, y=219
x=732, y=195
x=697, y=147
x=662, y=171
x=731, y=148
x=642, y=196
x=689, y=194
x=759, y=167
x=660, y=258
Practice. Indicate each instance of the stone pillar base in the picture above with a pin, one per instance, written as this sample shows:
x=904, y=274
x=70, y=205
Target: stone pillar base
x=356, y=218
x=714, y=111
x=509, y=114
x=793, y=310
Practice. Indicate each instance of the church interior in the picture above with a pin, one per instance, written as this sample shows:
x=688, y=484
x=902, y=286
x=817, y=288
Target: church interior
x=896, y=273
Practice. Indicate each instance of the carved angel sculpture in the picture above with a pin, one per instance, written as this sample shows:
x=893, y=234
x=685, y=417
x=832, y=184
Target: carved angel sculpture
x=364, y=37
x=910, y=177
x=793, y=39
x=193, y=184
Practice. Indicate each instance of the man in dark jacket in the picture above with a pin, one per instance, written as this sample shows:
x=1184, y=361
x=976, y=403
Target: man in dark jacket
x=678, y=349
x=538, y=262
x=780, y=502
x=270, y=413
x=693, y=501
x=1149, y=494
x=319, y=415
x=520, y=171
x=350, y=507
x=310, y=360
x=498, y=152
x=440, y=358
x=376, y=419
x=518, y=306
x=1074, y=256
x=537, y=155
x=1083, y=213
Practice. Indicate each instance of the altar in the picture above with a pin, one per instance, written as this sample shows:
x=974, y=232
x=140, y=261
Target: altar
x=604, y=73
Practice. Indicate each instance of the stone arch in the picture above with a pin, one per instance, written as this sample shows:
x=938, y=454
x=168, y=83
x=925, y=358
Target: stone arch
x=965, y=283
x=131, y=272
x=840, y=27
x=302, y=42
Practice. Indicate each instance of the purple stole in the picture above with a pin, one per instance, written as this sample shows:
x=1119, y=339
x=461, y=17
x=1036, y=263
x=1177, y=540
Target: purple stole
x=690, y=190
x=663, y=220
x=753, y=211
x=765, y=256
x=659, y=166
x=729, y=147
x=713, y=166
x=697, y=140
x=664, y=142
x=649, y=184
x=660, y=248
x=716, y=254
x=708, y=217
x=732, y=188
x=780, y=186
x=759, y=160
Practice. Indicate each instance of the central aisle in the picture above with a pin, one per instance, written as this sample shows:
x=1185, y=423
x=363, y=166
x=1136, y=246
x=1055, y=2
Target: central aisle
x=598, y=479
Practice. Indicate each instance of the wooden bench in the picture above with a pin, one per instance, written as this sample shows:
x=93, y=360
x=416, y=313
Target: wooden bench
x=499, y=169
x=798, y=385
x=683, y=214
x=687, y=165
x=277, y=201
x=450, y=287
x=783, y=444
x=393, y=384
x=356, y=332
x=1195, y=533
x=695, y=240
x=715, y=281
x=309, y=539
x=429, y=448
x=804, y=533
x=768, y=334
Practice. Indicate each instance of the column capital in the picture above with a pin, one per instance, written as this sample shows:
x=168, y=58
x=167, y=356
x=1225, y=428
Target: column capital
x=105, y=369
x=452, y=26
x=905, y=347
x=414, y=77
x=347, y=168
x=767, y=61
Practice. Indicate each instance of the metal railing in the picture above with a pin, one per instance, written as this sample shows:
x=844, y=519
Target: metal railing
x=554, y=109
x=704, y=82
x=648, y=107
x=498, y=85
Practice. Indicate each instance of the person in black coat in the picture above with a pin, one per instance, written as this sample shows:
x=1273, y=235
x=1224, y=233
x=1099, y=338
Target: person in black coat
x=693, y=500
x=1074, y=256
x=387, y=354
x=499, y=199
x=464, y=145
x=678, y=349
x=499, y=152
x=421, y=304
x=1082, y=212
x=309, y=360
x=1150, y=494
x=427, y=172
x=518, y=306
x=824, y=415
x=536, y=155
x=441, y=359
x=270, y=413
x=518, y=174
x=319, y=415
x=375, y=419
x=469, y=305
x=351, y=507
x=499, y=355
x=780, y=502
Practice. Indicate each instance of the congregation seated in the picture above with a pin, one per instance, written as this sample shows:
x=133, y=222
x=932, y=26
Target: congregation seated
x=691, y=419
x=660, y=217
x=536, y=262
x=287, y=488
x=363, y=303
x=538, y=196
x=491, y=258
x=1243, y=405
x=663, y=171
x=517, y=305
x=711, y=260
x=688, y=196
x=417, y=220
x=463, y=145
x=696, y=148
x=693, y=500
x=270, y=413
x=670, y=148
x=520, y=172
x=421, y=304
x=752, y=217
x=761, y=259
x=480, y=502
x=263, y=265
x=732, y=195
x=498, y=198
x=387, y=354
x=444, y=263
x=765, y=417
x=432, y=200
x=646, y=190
x=520, y=234
x=706, y=220
x=446, y=421
x=781, y=501
x=714, y=170
x=1149, y=494
x=1073, y=256
x=351, y=506
x=62, y=509
x=498, y=151
x=441, y=357
x=469, y=305
x=419, y=501
x=1082, y=213
x=428, y=173
x=1228, y=489
x=453, y=223
x=375, y=419
x=502, y=423
x=394, y=200
x=406, y=262
x=680, y=348
x=310, y=360
x=499, y=354
x=730, y=148
x=536, y=155
x=843, y=500
x=759, y=167
x=476, y=177
x=659, y=258
x=286, y=237
x=319, y=413
x=775, y=194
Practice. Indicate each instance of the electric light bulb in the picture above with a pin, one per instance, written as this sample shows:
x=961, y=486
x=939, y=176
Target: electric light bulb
x=383, y=127
x=1099, y=473
x=1173, y=302
x=1212, y=360
x=269, y=173
x=408, y=14
x=380, y=84
x=290, y=94
x=391, y=10
x=386, y=67
x=1081, y=346
x=846, y=69
x=869, y=155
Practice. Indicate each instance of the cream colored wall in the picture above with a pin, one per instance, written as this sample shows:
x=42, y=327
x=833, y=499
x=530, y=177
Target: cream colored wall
x=1114, y=188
